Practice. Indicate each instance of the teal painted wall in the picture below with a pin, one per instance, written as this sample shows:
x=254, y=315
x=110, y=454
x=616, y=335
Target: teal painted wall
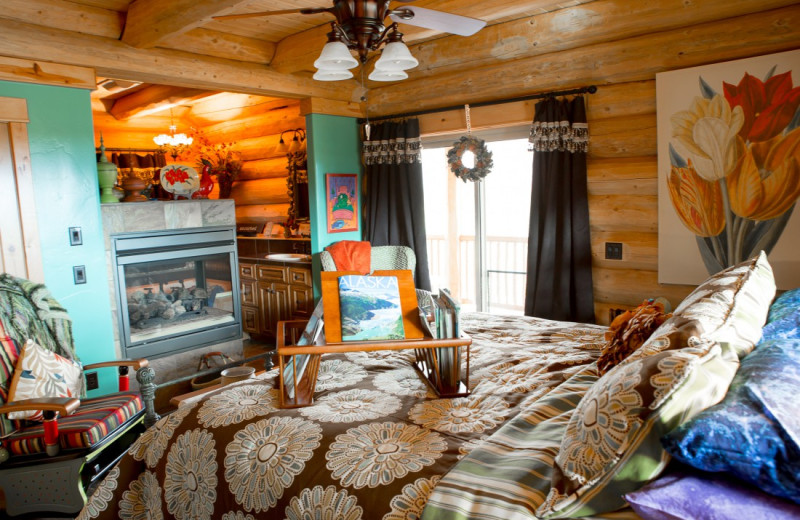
x=334, y=146
x=67, y=194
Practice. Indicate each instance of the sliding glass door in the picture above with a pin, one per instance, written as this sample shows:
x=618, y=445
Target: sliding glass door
x=477, y=232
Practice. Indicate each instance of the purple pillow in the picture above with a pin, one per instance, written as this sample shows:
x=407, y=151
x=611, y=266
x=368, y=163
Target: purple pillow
x=706, y=496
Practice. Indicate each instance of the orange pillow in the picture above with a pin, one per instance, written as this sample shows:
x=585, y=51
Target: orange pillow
x=628, y=332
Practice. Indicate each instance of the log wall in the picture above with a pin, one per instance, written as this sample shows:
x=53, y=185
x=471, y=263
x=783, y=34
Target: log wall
x=253, y=125
x=622, y=163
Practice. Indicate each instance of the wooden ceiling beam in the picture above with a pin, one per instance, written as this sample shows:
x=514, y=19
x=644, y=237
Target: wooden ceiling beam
x=574, y=27
x=221, y=45
x=149, y=22
x=112, y=58
x=153, y=98
x=59, y=14
x=44, y=73
x=632, y=59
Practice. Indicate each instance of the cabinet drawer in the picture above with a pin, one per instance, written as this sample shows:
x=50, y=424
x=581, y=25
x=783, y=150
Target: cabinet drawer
x=271, y=273
x=299, y=276
x=247, y=271
x=249, y=292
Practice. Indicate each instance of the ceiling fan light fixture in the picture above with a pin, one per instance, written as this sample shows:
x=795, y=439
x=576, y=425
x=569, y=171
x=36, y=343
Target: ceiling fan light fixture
x=396, y=56
x=332, y=75
x=387, y=75
x=335, y=56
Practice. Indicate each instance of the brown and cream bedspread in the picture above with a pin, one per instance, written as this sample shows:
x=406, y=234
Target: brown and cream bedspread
x=373, y=445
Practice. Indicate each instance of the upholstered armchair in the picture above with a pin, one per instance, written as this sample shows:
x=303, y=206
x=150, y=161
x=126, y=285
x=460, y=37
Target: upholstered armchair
x=57, y=444
x=382, y=257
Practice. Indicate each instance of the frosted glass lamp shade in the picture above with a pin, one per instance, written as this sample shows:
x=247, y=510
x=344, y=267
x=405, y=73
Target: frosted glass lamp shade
x=332, y=75
x=335, y=56
x=387, y=75
x=396, y=56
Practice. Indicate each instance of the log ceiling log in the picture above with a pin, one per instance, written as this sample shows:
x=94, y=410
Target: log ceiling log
x=152, y=99
x=149, y=22
x=112, y=58
x=574, y=27
x=632, y=59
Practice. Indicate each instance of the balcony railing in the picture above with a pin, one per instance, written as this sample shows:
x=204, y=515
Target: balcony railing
x=506, y=259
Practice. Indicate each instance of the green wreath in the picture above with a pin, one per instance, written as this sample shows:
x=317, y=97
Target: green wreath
x=483, y=158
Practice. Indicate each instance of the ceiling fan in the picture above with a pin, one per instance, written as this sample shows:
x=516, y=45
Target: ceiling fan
x=360, y=26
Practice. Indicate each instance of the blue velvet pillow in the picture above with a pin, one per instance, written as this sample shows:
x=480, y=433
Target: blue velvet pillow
x=703, y=496
x=784, y=317
x=754, y=433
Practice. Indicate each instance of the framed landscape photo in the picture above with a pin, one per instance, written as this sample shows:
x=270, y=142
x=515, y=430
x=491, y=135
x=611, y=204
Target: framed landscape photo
x=341, y=198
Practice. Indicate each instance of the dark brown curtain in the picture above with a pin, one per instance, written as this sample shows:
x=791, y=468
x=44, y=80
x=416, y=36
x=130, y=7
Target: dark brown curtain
x=559, y=284
x=394, y=204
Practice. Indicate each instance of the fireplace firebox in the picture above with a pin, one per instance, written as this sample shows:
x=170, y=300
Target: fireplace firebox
x=176, y=290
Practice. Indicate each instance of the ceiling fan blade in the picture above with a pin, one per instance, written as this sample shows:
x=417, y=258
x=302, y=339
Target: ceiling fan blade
x=304, y=10
x=438, y=20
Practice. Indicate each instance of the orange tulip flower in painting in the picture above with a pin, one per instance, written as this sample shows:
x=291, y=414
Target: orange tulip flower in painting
x=766, y=181
x=697, y=201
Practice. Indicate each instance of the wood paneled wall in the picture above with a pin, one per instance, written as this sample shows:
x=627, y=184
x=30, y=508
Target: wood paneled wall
x=252, y=123
x=622, y=165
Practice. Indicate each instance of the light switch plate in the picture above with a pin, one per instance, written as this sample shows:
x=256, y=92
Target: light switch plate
x=79, y=274
x=613, y=250
x=75, y=236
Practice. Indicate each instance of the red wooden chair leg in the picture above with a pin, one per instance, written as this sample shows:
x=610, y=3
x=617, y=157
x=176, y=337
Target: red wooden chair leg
x=50, y=432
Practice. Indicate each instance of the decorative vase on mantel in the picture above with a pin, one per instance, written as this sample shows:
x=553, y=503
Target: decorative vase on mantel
x=225, y=185
x=106, y=176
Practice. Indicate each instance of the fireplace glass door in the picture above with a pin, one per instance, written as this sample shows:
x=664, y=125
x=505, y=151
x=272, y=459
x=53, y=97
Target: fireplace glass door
x=171, y=297
x=175, y=293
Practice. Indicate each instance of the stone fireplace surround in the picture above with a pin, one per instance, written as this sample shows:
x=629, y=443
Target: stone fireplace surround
x=160, y=216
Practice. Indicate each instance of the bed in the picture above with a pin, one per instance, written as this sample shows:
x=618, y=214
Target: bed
x=378, y=445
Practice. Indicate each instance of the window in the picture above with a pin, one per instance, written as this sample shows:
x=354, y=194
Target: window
x=484, y=269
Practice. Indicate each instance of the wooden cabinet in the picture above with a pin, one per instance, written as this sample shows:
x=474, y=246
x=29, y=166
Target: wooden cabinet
x=272, y=293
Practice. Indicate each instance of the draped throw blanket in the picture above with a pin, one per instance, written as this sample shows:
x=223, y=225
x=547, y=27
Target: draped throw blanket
x=395, y=204
x=559, y=284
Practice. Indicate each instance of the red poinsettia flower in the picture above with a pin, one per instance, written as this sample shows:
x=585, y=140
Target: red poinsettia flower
x=175, y=175
x=768, y=106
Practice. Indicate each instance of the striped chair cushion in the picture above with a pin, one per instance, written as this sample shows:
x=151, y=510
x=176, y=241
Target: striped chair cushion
x=90, y=424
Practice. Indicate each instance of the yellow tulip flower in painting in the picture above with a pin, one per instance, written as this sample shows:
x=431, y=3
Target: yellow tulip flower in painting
x=697, y=201
x=766, y=181
x=706, y=135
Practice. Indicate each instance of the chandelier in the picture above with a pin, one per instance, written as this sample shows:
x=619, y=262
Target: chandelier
x=172, y=143
x=364, y=33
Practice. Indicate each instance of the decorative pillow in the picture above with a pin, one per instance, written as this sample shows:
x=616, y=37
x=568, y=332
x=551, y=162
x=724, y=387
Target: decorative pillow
x=706, y=497
x=611, y=444
x=753, y=433
x=628, y=332
x=784, y=317
x=42, y=373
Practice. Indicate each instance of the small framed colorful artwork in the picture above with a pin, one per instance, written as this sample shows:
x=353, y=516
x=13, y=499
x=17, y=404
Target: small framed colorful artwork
x=341, y=191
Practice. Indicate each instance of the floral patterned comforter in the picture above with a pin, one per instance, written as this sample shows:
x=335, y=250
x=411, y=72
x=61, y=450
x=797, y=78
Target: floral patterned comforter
x=373, y=446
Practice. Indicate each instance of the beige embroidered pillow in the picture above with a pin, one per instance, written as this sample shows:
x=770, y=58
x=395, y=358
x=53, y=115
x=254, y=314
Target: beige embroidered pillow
x=612, y=442
x=42, y=373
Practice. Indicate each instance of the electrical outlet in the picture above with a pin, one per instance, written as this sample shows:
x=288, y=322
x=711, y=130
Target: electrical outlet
x=613, y=251
x=75, y=236
x=91, y=381
x=79, y=274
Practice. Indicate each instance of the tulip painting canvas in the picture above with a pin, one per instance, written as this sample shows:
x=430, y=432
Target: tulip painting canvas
x=729, y=167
